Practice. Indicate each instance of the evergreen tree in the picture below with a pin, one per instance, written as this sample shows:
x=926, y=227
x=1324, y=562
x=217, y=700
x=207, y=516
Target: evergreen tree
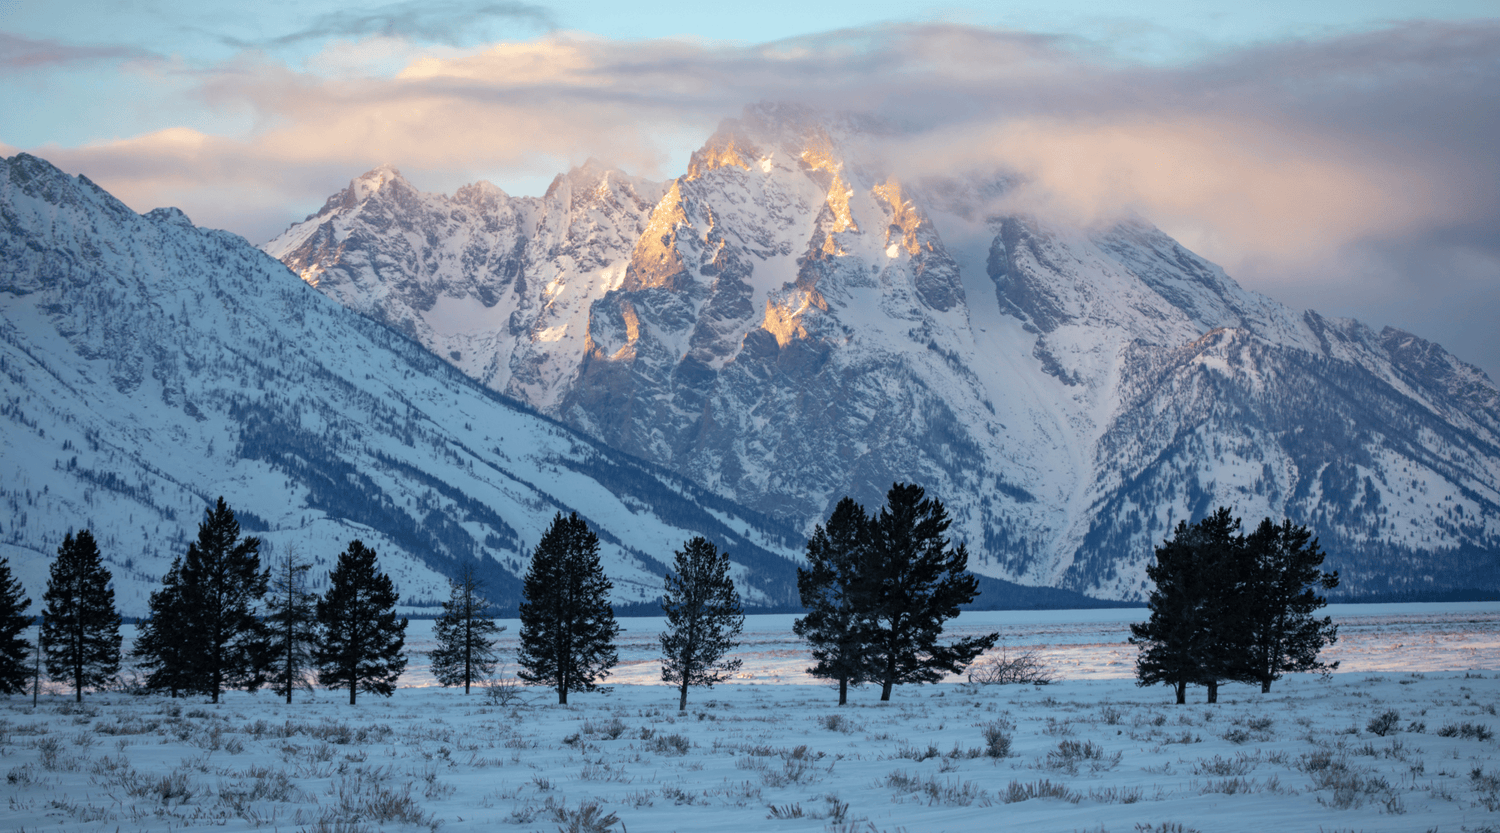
x=835, y=627
x=291, y=624
x=221, y=585
x=162, y=642
x=465, y=634
x=361, y=638
x=914, y=582
x=80, y=626
x=1278, y=631
x=704, y=617
x=15, y=650
x=1191, y=636
x=568, y=628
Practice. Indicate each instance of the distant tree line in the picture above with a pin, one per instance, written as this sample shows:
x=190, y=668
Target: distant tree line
x=878, y=589
x=1229, y=607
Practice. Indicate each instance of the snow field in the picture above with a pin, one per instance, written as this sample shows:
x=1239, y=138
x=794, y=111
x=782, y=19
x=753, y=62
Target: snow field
x=1355, y=752
x=1395, y=748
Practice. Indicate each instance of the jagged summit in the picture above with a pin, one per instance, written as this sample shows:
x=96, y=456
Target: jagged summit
x=789, y=323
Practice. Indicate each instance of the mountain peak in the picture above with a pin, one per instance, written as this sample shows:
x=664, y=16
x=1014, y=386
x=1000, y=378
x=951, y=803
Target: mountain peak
x=375, y=181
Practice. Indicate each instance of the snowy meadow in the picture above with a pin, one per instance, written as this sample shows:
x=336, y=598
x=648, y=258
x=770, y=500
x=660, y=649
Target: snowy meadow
x=1402, y=738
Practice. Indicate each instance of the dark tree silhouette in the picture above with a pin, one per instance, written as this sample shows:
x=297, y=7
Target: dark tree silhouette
x=568, y=628
x=15, y=650
x=291, y=625
x=221, y=585
x=704, y=619
x=465, y=634
x=80, y=626
x=1278, y=631
x=835, y=627
x=360, y=637
x=914, y=582
x=1190, y=636
x=162, y=643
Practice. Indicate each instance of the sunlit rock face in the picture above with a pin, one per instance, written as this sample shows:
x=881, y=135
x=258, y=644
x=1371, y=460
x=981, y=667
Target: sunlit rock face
x=789, y=323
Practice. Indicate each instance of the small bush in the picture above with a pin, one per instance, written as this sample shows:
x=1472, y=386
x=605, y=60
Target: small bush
x=589, y=817
x=1236, y=735
x=669, y=744
x=837, y=723
x=1018, y=792
x=1467, y=731
x=1025, y=668
x=1385, y=723
x=997, y=738
x=1070, y=753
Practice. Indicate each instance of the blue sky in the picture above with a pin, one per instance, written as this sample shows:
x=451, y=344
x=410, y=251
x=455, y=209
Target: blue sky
x=1338, y=156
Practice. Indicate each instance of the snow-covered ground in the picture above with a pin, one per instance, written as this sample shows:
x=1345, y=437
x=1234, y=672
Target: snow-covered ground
x=1089, y=752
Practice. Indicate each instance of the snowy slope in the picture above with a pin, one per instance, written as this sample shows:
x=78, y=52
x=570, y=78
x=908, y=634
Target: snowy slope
x=790, y=324
x=151, y=366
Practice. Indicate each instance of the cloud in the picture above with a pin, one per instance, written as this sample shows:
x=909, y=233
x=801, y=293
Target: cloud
x=1306, y=167
x=452, y=23
x=27, y=54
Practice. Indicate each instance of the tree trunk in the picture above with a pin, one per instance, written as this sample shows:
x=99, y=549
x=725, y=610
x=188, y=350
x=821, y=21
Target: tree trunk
x=682, y=699
x=353, y=687
x=885, y=691
x=1213, y=691
x=1181, y=692
x=843, y=691
x=1265, y=686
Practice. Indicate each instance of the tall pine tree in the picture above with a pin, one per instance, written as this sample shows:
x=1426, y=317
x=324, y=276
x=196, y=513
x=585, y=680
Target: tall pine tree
x=221, y=588
x=1278, y=631
x=704, y=619
x=80, y=626
x=465, y=634
x=1190, y=637
x=291, y=625
x=835, y=627
x=568, y=627
x=914, y=582
x=162, y=642
x=15, y=650
x=361, y=639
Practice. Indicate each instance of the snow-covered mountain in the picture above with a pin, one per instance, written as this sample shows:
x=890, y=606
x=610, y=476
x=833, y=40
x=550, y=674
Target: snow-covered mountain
x=150, y=366
x=787, y=324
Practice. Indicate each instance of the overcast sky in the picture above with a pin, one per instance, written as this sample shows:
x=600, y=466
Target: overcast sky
x=1335, y=156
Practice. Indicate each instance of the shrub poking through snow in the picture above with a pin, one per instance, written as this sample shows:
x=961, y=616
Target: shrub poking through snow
x=1070, y=753
x=997, y=738
x=1467, y=731
x=1004, y=668
x=1385, y=723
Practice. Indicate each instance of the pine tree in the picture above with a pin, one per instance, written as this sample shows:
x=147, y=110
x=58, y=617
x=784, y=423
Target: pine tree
x=361, y=638
x=465, y=634
x=704, y=617
x=162, y=642
x=221, y=585
x=834, y=627
x=1278, y=630
x=568, y=628
x=1191, y=637
x=15, y=650
x=80, y=626
x=914, y=583
x=291, y=625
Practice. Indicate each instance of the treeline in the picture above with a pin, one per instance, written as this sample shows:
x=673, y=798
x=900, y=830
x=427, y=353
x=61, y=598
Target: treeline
x=878, y=590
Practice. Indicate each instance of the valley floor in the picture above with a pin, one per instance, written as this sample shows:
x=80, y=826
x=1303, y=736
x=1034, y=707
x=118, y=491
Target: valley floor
x=1386, y=750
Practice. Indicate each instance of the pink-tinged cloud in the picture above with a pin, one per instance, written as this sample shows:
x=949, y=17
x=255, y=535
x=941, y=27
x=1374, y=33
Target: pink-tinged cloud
x=1288, y=154
x=18, y=54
